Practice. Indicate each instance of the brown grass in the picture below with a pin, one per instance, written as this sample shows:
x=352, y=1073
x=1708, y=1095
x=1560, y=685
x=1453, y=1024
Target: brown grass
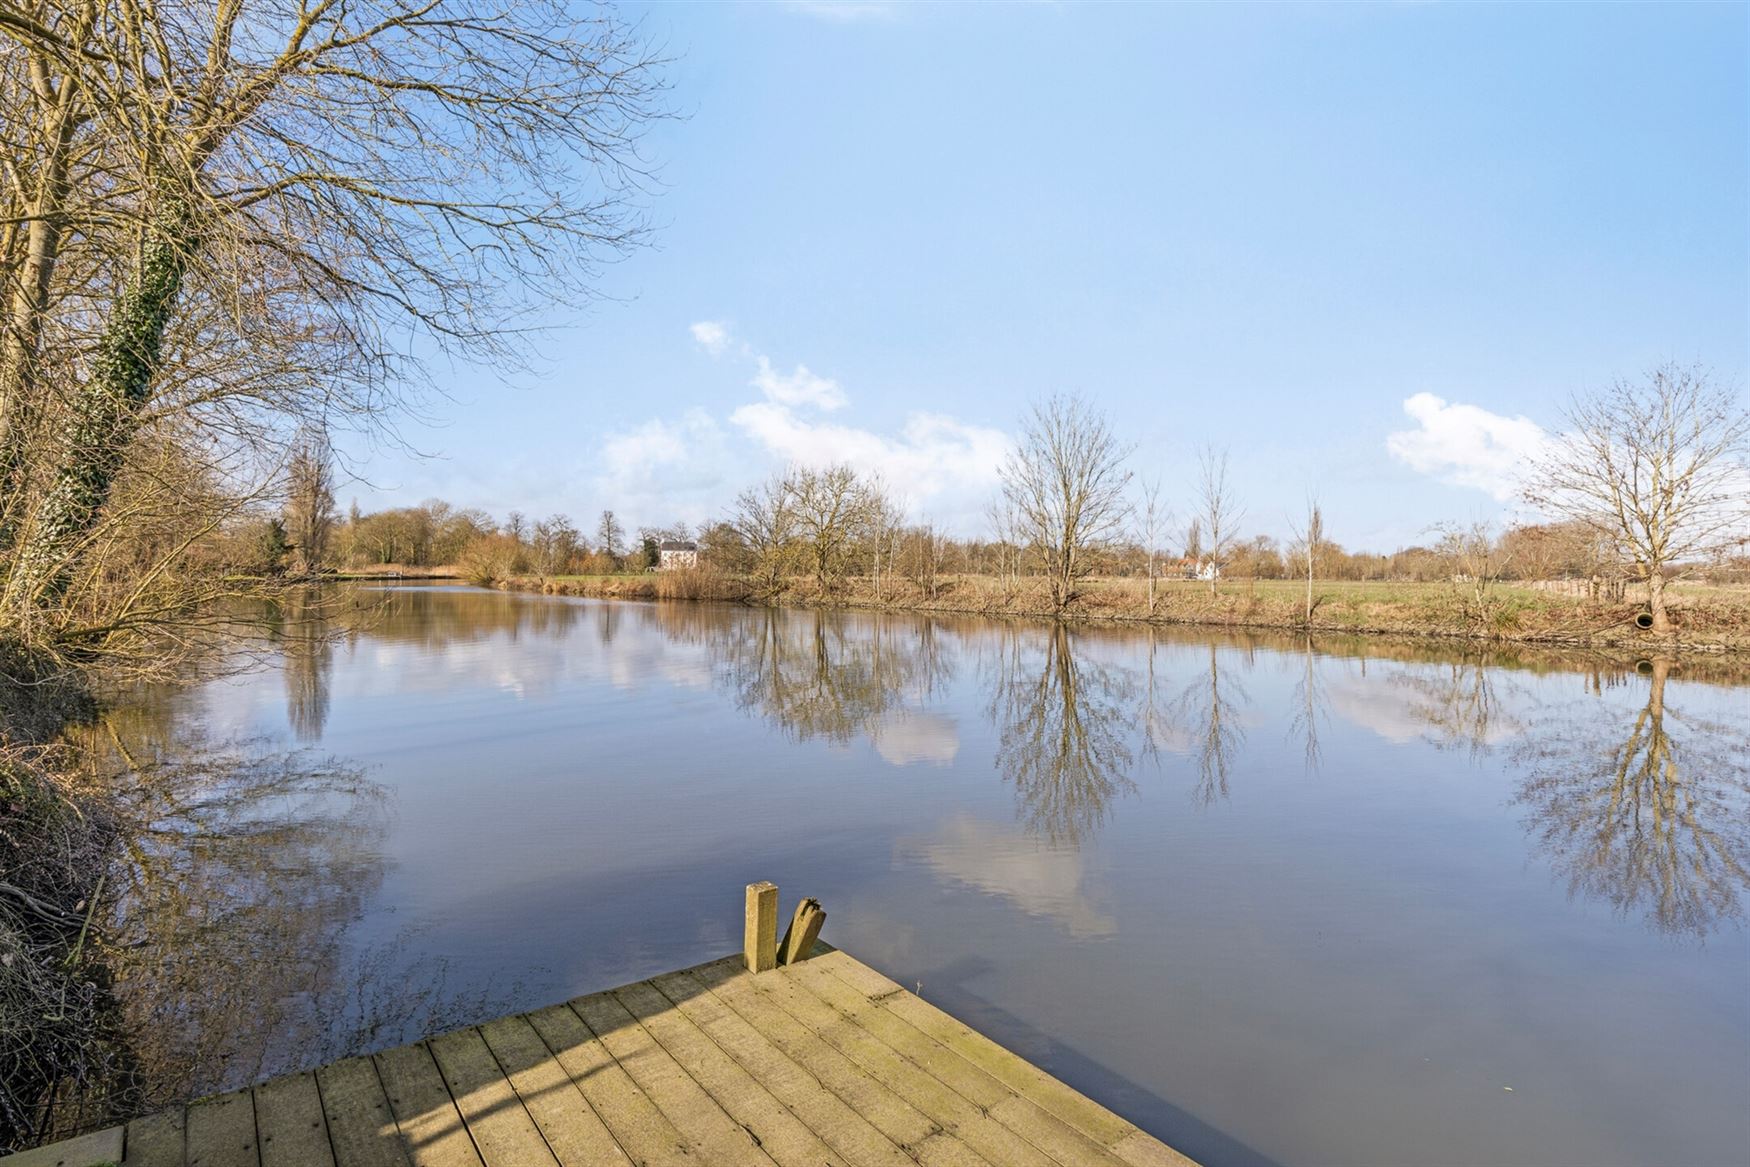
x=1708, y=617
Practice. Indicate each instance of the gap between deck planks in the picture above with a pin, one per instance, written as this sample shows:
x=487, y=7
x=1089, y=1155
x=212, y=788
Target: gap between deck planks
x=823, y=1062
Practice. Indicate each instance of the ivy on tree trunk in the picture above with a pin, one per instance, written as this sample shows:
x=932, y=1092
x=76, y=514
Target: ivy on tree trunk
x=105, y=413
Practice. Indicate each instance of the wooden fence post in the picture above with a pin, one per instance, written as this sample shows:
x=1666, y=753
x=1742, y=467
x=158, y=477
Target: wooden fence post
x=804, y=930
x=760, y=943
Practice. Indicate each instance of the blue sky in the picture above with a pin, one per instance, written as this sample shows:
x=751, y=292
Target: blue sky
x=1370, y=249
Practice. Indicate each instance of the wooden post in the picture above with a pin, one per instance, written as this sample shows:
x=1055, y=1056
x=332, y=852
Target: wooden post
x=804, y=930
x=760, y=945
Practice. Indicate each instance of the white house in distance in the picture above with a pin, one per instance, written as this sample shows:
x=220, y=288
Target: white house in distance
x=672, y=554
x=1203, y=569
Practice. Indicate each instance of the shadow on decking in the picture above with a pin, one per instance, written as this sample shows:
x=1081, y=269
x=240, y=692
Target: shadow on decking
x=542, y=1068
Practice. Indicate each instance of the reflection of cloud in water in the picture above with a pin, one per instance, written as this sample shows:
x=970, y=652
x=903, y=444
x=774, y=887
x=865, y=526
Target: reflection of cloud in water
x=1377, y=706
x=1398, y=712
x=1040, y=880
x=906, y=736
x=532, y=668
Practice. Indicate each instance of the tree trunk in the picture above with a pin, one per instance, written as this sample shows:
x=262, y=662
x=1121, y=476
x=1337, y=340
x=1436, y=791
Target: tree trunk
x=21, y=337
x=1656, y=599
x=105, y=413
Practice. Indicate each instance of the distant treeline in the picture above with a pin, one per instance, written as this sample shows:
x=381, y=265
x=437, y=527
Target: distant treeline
x=435, y=534
x=1649, y=487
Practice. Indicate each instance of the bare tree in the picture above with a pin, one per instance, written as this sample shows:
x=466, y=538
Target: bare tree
x=1660, y=467
x=1475, y=561
x=1066, y=482
x=834, y=510
x=309, y=513
x=1219, y=512
x=1152, y=529
x=886, y=519
x=610, y=538
x=556, y=543
x=1194, y=541
x=236, y=217
x=1005, y=534
x=764, y=522
x=921, y=556
x=1308, y=536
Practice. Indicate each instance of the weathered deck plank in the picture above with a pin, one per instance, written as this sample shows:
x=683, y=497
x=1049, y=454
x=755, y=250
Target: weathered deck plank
x=781, y=1134
x=717, y=1137
x=1141, y=1149
x=156, y=1140
x=289, y=1124
x=821, y=1063
x=892, y=1115
x=431, y=1126
x=828, y=1115
x=1022, y=1076
x=221, y=1132
x=1049, y=1134
x=573, y=1129
x=97, y=1147
x=636, y=1123
x=361, y=1127
x=503, y=1132
x=956, y=1113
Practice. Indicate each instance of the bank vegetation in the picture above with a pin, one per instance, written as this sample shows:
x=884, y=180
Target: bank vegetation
x=229, y=232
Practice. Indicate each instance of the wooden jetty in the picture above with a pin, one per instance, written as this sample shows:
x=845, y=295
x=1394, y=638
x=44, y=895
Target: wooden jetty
x=790, y=1053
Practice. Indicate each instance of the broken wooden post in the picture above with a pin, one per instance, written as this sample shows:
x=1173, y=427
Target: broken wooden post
x=760, y=945
x=804, y=930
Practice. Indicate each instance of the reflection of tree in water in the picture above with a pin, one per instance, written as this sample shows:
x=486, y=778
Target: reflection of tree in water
x=306, y=641
x=305, y=624
x=1461, y=702
x=822, y=675
x=240, y=873
x=1309, y=707
x=1651, y=814
x=607, y=622
x=1209, y=708
x=1062, y=726
x=437, y=617
x=1158, y=727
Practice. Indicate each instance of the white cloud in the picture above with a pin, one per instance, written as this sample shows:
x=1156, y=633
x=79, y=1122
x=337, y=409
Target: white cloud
x=1467, y=445
x=936, y=461
x=638, y=451
x=800, y=387
x=661, y=470
x=712, y=336
x=939, y=465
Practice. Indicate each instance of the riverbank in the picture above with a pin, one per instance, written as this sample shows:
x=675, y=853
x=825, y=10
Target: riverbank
x=57, y=830
x=1709, y=618
x=390, y=572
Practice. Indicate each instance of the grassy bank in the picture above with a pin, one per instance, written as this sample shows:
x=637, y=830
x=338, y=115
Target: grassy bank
x=57, y=1016
x=1709, y=618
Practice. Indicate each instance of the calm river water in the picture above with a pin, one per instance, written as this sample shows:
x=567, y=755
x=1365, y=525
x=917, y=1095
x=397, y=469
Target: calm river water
x=1279, y=903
